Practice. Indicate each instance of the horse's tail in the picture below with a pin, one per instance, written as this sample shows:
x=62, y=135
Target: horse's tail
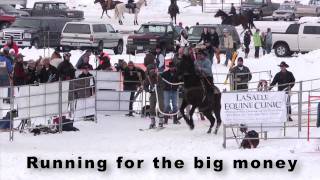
x=116, y=12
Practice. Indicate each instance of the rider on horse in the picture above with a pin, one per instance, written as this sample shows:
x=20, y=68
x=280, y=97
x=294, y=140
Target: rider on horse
x=233, y=10
x=131, y=5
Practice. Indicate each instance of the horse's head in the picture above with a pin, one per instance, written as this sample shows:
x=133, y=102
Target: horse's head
x=186, y=66
x=220, y=13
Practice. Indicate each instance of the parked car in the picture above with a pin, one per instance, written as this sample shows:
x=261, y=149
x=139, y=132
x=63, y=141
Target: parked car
x=90, y=35
x=260, y=8
x=312, y=9
x=14, y=2
x=152, y=34
x=195, y=34
x=6, y=21
x=286, y=11
x=297, y=38
x=35, y=31
x=10, y=10
x=52, y=8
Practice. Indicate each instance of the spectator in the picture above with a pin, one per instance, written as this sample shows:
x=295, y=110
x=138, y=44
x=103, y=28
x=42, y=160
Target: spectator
x=48, y=72
x=19, y=75
x=133, y=77
x=183, y=39
x=228, y=44
x=12, y=45
x=246, y=42
x=152, y=79
x=85, y=63
x=104, y=64
x=31, y=77
x=121, y=65
x=56, y=54
x=159, y=60
x=177, y=58
x=285, y=81
x=149, y=59
x=268, y=41
x=6, y=69
x=204, y=69
x=241, y=75
x=86, y=55
x=263, y=42
x=206, y=40
x=170, y=92
x=257, y=43
x=84, y=83
x=65, y=69
x=215, y=42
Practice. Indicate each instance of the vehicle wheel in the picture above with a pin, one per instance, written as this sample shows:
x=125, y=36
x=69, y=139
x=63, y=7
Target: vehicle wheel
x=260, y=16
x=35, y=43
x=281, y=50
x=275, y=19
x=119, y=48
x=4, y=25
x=100, y=47
x=293, y=18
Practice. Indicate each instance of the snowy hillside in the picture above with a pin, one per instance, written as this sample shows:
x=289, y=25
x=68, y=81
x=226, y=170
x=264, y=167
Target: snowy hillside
x=117, y=135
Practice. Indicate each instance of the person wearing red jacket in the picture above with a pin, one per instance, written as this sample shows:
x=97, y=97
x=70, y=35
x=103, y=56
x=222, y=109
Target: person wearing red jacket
x=19, y=75
x=12, y=45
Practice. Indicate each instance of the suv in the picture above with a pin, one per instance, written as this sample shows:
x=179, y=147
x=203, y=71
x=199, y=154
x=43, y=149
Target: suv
x=152, y=34
x=88, y=35
x=34, y=31
x=195, y=34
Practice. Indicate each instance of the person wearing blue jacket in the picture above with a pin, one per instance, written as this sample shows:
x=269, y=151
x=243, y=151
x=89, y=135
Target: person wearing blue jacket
x=6, y=68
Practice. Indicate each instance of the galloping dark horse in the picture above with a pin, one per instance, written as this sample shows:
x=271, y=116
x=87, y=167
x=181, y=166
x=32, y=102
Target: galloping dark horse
x=107, y=5
x=173, y=10
x=235, y=20
x=195, y=94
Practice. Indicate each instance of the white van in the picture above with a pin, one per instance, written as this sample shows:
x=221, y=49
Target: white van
x=89, y=35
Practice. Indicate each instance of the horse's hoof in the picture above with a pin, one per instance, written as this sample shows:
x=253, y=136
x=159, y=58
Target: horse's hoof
x=216, y=131
x=191, y=127
x=209, y=131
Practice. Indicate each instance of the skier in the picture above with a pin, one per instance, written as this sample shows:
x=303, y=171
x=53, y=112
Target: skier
x=152, y=79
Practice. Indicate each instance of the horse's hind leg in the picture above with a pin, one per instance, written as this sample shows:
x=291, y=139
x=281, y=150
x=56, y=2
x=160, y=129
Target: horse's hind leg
x=191, y=124
x=182, y=107
x=102, y=14
x=212, y=120
x=217, y=114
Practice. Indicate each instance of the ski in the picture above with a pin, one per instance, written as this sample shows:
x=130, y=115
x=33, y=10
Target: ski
x=155, y=129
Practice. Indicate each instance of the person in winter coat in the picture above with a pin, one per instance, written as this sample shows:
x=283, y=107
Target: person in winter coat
x=206, y=40
x=131, y=5
x=6, y=69
x=149, y=58
x=12, y=45
x=285, y=81
x=268, y=41
x=86, y=55
x=170, y=93
x=65, y=69
x=203, y=68
x=133, y=78
x=48, y=72
x=241, y=75
x=177, y=58
x=153, y=79
x=104, y=64
x=31, y=76
x=159, y=60
x=233, y=10
x=215, y=42
x=85, y=62
x=246, y=42
x=19, y=75
x=228, y=44
x=84, y=83
x=183, y=39
x=263, y=42
x=257, y=43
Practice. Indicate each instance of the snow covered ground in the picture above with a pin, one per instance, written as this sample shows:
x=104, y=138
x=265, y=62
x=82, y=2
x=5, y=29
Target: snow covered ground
x=117, y=135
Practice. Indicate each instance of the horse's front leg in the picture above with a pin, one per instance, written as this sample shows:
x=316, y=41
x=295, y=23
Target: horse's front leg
x=102, y=14
x=184, y=104
x=191, y=117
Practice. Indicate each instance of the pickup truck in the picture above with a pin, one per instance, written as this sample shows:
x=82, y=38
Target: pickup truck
x=312, y=9
x=55, y=9
x=297, y=38
x=260, y=8
x=152, y=34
